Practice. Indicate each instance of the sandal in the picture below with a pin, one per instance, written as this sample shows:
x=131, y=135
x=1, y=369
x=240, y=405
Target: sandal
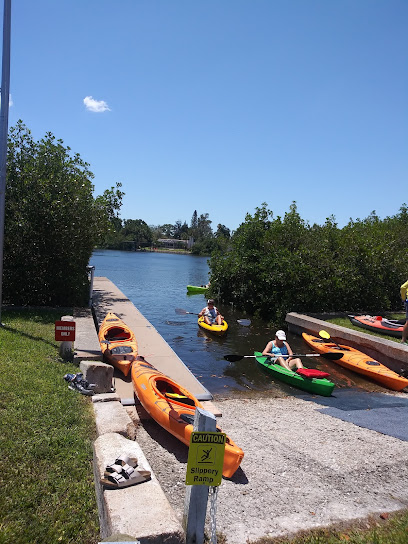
x=115, y=480
x=123, y=460
x=125, y=470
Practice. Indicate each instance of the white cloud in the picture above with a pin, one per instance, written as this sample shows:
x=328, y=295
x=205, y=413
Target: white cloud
x=97, y=106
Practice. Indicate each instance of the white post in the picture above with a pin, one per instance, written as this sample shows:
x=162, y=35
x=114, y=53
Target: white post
x=66, y=349
x=195, y=504
x=4, y=110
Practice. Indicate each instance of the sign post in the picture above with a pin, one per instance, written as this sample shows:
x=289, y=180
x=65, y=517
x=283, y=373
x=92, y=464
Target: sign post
x=65, y=333
x=204, y=469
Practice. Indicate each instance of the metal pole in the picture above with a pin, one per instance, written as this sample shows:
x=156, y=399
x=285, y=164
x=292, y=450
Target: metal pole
x=4, y=110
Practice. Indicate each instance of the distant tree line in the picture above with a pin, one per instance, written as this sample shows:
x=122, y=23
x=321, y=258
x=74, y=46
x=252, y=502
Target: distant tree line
x=278, y=265
x=132, y=234
x=268, y=266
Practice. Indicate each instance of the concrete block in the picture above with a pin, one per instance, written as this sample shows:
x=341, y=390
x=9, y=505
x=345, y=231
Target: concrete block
x=111, y=417
x=141, y=511
x=98, y=373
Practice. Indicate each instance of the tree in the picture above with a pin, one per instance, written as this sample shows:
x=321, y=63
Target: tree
x=276, y=266
x=52, y=222
x=137, y=231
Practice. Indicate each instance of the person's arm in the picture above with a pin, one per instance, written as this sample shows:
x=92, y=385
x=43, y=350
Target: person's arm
x=267, y=350
x=202, y=312
x=290, y=352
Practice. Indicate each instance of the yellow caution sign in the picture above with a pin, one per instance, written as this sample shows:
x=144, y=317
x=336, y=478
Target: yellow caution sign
x=205, y=458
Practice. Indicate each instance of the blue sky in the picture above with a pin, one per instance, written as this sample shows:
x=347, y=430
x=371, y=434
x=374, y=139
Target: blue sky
x=220, y=105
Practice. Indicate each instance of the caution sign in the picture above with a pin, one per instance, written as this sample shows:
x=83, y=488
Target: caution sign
x=205, y=458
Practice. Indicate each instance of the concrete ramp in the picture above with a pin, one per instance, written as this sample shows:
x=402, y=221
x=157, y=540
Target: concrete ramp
x=108, y=298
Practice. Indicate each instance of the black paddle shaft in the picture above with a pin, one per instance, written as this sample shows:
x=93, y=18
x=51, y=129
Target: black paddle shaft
x=329, y=355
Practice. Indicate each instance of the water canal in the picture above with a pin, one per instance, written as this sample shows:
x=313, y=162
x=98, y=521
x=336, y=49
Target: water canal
x=156, y=284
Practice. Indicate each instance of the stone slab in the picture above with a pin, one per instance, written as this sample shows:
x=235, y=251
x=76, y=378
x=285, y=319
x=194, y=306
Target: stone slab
x=141, y=511
x=111, y=417
x=99, y=374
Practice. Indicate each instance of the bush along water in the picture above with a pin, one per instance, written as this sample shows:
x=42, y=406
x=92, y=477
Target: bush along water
x=280, y=265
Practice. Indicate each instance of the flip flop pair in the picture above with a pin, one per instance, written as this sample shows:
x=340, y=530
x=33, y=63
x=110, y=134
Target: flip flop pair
x=122, y=473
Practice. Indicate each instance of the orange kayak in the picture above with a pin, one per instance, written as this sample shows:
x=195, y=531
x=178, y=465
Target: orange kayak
x=118, y=343
x=173, y=407
x=359, y=362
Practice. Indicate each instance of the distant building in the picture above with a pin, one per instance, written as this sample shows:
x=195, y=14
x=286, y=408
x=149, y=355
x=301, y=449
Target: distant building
x=171, y=243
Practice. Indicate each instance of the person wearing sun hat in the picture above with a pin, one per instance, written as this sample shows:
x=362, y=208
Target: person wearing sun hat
x=278, y=347
x=211, y=314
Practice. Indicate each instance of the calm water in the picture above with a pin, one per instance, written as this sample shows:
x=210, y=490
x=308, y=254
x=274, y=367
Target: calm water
x=156, y=283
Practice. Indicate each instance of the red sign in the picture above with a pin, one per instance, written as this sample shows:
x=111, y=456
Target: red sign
x=65, y=331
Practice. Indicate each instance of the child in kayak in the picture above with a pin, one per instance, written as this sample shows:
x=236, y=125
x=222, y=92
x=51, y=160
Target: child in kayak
x=278, y=347
x=211, y=314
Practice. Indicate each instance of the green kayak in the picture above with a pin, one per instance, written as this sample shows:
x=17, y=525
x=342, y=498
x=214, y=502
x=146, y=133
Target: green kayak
x=320, y=386
x=196, y=289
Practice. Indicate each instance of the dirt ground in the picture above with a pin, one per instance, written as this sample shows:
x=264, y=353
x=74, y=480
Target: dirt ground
x=302, y=468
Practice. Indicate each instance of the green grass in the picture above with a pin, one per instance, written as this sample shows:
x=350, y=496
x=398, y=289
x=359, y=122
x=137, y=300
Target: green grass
x=47, y=491
x=393, y=530
x=345, y=322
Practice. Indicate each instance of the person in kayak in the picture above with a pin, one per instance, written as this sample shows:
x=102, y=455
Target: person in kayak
x=404, y=296
x=211, y=314
x=279, y=346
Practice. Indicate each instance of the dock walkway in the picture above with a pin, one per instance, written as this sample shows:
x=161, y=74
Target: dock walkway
x=108, y=298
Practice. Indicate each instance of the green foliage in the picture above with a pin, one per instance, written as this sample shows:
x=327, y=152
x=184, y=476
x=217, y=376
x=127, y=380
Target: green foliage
x=275, y=266
x=52, y=222
x=47, y=491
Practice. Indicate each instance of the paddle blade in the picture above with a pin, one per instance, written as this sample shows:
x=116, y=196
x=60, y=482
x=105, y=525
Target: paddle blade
x=180, y=311
x=244, y=322
x=324, y=334
x=233, y=358
x=333, y=356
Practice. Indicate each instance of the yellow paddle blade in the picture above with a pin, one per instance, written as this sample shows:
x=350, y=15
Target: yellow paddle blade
x=324, y=334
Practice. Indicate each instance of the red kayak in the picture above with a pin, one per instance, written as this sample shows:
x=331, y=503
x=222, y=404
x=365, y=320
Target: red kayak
x=376, y=323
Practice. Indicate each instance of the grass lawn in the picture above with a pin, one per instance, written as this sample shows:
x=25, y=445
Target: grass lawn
x=392, y=530
x=47, y=491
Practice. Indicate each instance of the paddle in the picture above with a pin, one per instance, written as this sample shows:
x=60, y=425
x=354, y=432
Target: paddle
x=326, y=336
x=243, y=322
x=330, y=355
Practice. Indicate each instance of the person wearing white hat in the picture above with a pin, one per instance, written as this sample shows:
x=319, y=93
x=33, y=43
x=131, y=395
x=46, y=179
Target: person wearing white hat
x=278, y=347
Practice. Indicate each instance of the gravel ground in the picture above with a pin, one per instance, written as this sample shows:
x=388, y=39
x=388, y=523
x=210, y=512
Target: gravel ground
x=302, y=469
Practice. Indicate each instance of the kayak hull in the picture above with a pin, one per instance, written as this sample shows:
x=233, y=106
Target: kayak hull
x=359, y=362
x=118, y=343
x=376, y=323
x=173, y=408
x=196, y=289
x=215, y=329
x=318, y=386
